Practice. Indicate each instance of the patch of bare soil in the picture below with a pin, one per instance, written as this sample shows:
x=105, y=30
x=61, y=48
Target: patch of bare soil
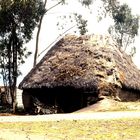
x=18, y=135
x=9, y=113
x=107, y=104
x=104, y=105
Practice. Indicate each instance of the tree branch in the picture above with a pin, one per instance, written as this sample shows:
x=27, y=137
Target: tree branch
x=37, y=36
x=54, y=6
x=126, y=45
x=39, y=29
x=50, y=45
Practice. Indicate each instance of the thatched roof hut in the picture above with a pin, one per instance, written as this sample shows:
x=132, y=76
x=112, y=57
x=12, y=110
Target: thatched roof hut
x=89, y=63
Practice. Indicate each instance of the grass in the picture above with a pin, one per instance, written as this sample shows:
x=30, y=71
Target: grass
x=124, y=129
x=117, y=129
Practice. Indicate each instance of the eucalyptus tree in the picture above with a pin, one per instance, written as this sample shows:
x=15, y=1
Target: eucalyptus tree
x=81, y=23
x=126, y=25
x=18, y=18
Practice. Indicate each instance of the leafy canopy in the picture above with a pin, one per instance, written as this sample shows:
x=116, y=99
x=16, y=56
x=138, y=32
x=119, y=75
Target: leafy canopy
x=18, y=18
x=25, y=14
x=126, y=25
x=21, y=17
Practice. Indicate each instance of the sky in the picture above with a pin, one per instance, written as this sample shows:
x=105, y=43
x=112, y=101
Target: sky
x=134, y=4
x=49, y=30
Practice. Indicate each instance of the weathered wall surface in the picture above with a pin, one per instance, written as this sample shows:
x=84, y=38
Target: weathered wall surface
x=19, y=98
x=8, y=97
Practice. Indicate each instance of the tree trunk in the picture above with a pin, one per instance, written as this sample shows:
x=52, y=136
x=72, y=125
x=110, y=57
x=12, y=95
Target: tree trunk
x=15, y=45
x=14, y=77
x=10, y=67
x=37, y=37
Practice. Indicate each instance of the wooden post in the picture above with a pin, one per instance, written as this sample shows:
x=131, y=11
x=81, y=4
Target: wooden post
x=14, y=100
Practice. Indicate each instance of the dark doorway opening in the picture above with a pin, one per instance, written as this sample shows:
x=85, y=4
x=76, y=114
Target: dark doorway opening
x=67, y=99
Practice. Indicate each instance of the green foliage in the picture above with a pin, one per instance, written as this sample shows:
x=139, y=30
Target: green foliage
x=126, y=25
x=24, y=15
x=86, y=2
x=81, y=24
x=125, y=22
x=110, y=5
x=18, y=18
x=75, y=20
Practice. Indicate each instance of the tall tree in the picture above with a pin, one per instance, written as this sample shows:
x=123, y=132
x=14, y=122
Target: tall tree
x=39, y=27
x=37, y=36
x=126, y=25
x=81, y=22
x=18, y=18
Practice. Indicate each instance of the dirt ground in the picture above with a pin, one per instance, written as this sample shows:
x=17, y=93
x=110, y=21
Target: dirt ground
x=108, y=104
x=104, y=105
x=106, y=109
x=13, y=134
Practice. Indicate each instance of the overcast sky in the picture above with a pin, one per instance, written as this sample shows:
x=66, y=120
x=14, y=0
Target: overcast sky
x=50, y=32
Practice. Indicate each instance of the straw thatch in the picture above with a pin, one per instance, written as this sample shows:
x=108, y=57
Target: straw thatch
x=85, y=62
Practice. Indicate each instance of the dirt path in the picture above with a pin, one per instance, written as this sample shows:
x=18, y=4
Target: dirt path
x=15, y=135
x=72, y=116
x=6, y=134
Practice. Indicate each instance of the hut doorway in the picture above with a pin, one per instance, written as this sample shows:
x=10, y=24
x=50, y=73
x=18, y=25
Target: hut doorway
x=67, y=99
x=70, y=100
x=59, y=100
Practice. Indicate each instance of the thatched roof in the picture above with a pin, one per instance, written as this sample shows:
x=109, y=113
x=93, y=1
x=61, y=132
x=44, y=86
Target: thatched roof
x=86, y=62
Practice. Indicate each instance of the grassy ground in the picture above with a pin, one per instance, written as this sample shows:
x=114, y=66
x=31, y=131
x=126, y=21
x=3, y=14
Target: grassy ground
x=124, y=129
x=117, y=129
